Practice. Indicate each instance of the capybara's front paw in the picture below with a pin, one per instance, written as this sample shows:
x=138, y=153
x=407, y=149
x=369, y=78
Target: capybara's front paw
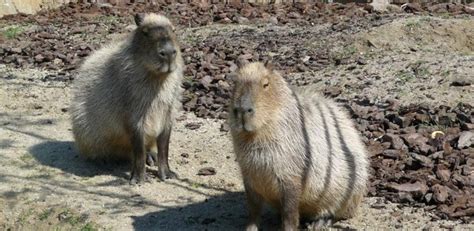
x=137, y=177
x=164, y=174
x=321, y=223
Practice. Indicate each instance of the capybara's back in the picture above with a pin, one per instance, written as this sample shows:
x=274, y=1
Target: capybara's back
x=337, y=180
x=97, y=112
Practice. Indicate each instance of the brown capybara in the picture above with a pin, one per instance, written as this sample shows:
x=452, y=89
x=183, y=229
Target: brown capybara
x=126, y=95
x=297, y=151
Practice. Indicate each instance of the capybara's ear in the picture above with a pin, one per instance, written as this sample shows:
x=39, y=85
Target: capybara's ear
x=241, y=62
x=139, y=17
x=232, y=77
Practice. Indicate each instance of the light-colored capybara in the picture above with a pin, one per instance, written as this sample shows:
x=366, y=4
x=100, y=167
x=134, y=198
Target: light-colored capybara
x=297, y=151
x=126, y=95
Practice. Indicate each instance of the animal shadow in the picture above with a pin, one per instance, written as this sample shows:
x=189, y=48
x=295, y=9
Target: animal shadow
x=223, y=212
x=63, y=155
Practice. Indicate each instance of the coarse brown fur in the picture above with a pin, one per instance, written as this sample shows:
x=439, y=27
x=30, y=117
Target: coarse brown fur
x=126, y=95
x=297, y=151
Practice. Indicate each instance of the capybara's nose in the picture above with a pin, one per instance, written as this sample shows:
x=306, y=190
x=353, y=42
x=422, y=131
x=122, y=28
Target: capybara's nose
x=167, y=52
x=247, y=105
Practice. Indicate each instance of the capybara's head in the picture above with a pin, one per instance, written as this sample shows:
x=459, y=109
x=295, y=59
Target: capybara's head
x=155, y=43
x=258, y=96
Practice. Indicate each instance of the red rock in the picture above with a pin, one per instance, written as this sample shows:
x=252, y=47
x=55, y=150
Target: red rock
x=440, y=193
x=418, y=143
x=207, y=171
x=443, y=173
x=395, y=141
x=192, y=125
x=423, y=160
x=417, y=188
x=375, y=149
x=16, y=50
x=206, y=81
x=391, y=153
x=39, y=58
x=466, y=139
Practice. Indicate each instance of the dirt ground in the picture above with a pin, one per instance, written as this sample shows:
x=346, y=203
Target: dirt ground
x=46, y=185
x=43, y=176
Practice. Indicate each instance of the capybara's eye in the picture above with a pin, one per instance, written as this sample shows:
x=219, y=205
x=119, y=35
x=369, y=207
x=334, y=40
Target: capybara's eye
x=265, y=85
x=236, y=111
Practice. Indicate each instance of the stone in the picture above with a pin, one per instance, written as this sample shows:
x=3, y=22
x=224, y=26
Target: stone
x=207, y=171
x=440, y=193
x=443, y=173
x=423, y=160
x=417, y=189
x=39, y=58
x=273, y=20
x=242, y=20
x=192, y=125
x=392, y=153
x=224, y=127
x=395, y=141
x=461, y=83
x=206, y=81
x=466, y=139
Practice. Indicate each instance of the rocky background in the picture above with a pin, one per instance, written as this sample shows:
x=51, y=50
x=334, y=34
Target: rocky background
x=421, y=150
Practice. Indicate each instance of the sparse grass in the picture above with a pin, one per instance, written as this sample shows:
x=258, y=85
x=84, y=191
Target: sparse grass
x=422, y=72
x=418, y=69
x=196, y=185
x=412, y=24
x=12, y=32
x=39, y=176
x=428, y=49
x=445, y=73
x=73, y=220
x=108, y=19
x=445, y=15
x=405, y=76
x=56, y=218
x=350, y=50
x=467, y=53
x=26, y=158
x=346, y=52
x=45, y=214
x=88, y=227
x=425, y=19
x=41, y=173
x=24, y=216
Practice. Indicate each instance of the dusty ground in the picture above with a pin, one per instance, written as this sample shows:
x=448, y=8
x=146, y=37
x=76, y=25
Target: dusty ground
x=46, y=185
x=43, y=177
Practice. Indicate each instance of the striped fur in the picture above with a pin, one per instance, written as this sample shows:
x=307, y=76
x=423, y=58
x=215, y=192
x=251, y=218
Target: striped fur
x=301, y=139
